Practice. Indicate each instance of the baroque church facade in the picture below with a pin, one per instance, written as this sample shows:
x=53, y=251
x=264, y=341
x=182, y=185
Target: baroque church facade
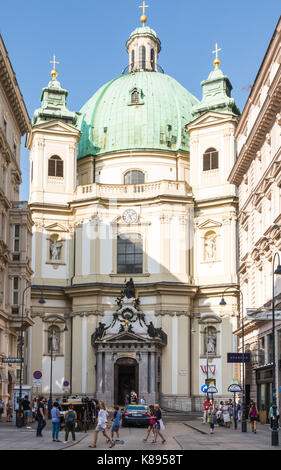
x=134, y=235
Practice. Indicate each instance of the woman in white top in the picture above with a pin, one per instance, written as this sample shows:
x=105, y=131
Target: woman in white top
x=101, y=426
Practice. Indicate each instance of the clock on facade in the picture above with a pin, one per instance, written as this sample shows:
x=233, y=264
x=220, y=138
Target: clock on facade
x=130, y=216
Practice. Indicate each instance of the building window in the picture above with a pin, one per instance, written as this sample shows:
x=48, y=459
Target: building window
x=210, y=160
x=152, y=58
x=16, y=284
x=55, y=166
x=129, y=254
x=17, y=238
x=135, y=97
x=134, y=177
x=133, y=59
x=142, y=57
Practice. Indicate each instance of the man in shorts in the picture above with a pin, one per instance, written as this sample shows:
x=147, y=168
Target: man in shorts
x=27, y=411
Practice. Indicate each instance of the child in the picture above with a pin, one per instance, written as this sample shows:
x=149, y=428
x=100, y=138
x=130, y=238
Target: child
x=116, y=423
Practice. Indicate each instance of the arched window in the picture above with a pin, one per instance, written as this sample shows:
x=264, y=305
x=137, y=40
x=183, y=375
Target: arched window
x=55, y=166
x=152, y=58
x=129, y=253
x=210, y=159
x=134, y=177
x=142, y=53
x=133, y=60
x=135, y=97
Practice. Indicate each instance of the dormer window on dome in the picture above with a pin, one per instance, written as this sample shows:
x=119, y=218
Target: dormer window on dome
x=136, y=96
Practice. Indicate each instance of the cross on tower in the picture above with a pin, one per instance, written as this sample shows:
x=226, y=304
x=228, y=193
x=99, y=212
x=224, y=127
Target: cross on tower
x=143, y=6
x=217, y=60
x=54, y=73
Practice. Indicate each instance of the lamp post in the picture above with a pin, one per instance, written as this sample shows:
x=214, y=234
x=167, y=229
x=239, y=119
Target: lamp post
x=244, y=416
x=275, y=434
x=19, y=420
x=51, y=368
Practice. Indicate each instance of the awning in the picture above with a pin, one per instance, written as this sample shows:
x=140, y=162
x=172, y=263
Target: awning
x=3, y=377
x=13, y=376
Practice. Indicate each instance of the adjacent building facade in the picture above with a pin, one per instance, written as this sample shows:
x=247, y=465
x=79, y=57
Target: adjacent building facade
x=257, y=174
x=134, y=228
x=15, y=224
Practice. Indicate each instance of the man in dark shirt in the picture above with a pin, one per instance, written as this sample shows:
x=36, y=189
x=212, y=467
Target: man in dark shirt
x=26, y=411
x=40, y=417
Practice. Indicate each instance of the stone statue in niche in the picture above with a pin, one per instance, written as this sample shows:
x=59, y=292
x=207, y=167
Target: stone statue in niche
x=211, y=341
x=210, y=248
x=129, y=290
x=54, y=341
x=55, y=250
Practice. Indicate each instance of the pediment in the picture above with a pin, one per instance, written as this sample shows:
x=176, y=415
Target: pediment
x=209, y=224
x=210, y=118
x=56, y=228
x=124, y=336
x=57, y=126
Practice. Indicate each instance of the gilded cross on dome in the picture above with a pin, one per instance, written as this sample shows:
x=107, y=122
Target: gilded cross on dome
x=217, y=60
x=54, y=73
x=143, y=17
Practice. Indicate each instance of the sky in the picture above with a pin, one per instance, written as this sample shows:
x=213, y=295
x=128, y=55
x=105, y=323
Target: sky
x=88, y=38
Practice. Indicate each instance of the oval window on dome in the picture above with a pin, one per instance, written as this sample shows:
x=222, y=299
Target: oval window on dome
x=134, y=177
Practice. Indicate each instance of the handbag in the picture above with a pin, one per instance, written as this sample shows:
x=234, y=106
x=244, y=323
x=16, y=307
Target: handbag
x=162, y=427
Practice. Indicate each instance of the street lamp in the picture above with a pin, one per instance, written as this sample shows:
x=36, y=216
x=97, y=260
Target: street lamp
x=19, y=421
x=275, y=434
x=51, y=369
x=244, y=417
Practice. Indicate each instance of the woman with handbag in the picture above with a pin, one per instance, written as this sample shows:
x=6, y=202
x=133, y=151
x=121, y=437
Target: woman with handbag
x=253, y=416
x=70, y=418
x=159, y=426
x=152, y=422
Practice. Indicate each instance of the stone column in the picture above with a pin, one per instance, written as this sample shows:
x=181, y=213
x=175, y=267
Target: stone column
x=143, y=375
x=109, y=379
x=153, y=377
x=99, y=393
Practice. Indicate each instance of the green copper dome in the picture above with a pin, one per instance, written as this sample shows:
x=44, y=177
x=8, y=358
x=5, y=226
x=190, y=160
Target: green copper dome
x=112, y=121
x=143, y=30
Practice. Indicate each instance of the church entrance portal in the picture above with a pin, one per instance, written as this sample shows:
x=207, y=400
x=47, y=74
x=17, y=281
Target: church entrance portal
x=126, y=374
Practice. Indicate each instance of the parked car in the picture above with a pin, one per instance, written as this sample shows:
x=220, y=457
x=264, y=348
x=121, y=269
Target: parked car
x=137, y=415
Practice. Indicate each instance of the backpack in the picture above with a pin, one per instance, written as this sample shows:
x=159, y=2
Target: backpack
x=70, y=418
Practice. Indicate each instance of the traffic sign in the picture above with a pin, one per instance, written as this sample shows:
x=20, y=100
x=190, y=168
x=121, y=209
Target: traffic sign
x=234, y=388
x=66, y=383
x=37, y=374
x=37, y=383
x=204, y=388
x=212, y=389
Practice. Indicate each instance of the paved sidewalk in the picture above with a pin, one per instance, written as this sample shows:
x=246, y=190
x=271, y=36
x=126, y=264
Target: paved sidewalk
x=227, y=439
x=13, y=438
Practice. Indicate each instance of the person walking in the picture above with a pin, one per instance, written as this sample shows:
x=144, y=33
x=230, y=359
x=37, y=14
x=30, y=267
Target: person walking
x=70, y=417
x=253, y=416
x=152, y=422
x=213, y=418
x=9, y=410
x=205, y=409
x=2, y=405
x=41, y=417
x=55, y=414
x=27, y=414
x=270, y=416
x=101, y=426
x=226, y=415
x=116, y=424
x=158, y=426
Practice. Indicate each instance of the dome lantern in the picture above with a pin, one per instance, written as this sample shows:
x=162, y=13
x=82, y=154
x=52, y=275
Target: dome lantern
x=143, y=48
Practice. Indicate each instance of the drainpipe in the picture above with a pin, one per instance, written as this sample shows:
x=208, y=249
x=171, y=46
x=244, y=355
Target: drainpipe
x=71, y=320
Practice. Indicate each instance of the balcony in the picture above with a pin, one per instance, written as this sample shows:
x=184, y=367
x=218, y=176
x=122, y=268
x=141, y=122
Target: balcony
x=133, y=191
